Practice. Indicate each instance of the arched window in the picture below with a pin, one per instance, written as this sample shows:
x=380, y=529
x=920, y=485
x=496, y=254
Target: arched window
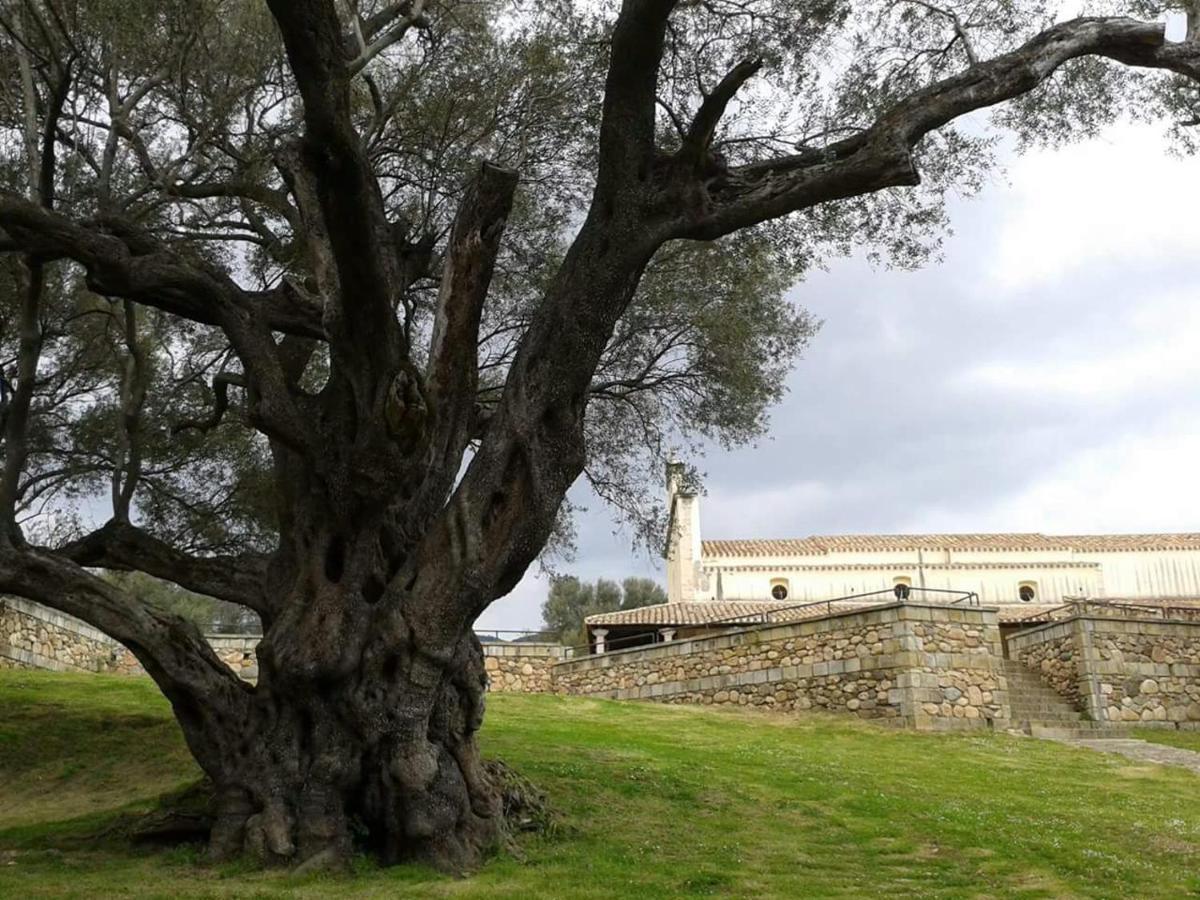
x=779, y=588
x=1027, y=591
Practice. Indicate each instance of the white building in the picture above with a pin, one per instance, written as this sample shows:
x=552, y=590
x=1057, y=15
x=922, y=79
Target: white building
x=1022, y=570
x=735, y=583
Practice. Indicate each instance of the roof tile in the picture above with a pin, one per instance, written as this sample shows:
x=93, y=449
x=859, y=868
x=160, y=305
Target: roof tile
x=820, y=545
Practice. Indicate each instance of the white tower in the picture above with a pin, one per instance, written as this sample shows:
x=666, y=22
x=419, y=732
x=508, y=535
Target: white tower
x=682, y=550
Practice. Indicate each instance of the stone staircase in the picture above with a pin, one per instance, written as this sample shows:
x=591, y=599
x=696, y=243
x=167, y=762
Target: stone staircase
x=1040, y=711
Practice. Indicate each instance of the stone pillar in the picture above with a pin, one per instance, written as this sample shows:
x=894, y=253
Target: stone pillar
x=1086, y=659
x=599, y=634
x=667, y=634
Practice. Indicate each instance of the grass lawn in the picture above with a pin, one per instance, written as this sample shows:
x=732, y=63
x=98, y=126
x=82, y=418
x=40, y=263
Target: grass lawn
x=656, y=801
x=1187, y=740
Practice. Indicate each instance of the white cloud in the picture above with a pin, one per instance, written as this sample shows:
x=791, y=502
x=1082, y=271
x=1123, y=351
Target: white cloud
x=1119, y=197
x=1141, y=482
x=737, y=512
x=1149, y=346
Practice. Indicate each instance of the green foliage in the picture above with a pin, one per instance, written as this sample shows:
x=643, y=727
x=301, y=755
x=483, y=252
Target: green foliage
x=654, y=801
x=1169, y=737
x=639, y=592
x=570, y=601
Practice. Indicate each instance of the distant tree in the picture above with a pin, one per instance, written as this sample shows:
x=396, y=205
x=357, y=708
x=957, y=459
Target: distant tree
x=638, y=592
x=570, y=601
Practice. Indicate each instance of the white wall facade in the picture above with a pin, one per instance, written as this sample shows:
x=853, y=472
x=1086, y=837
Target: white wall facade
x=994, y=583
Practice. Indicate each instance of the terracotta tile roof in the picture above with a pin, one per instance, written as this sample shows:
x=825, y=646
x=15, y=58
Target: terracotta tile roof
x=907, y=566
x=819, y=545
x=1034, y=612
x=706, y=612
x=754, y=612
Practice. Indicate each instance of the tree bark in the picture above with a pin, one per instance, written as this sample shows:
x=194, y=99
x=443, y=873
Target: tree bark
x=383, y=759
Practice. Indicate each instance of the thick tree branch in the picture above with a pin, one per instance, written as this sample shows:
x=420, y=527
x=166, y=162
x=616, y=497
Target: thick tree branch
x=132, y=265
x=15, y=421
x=134, y=382
x=406, y=16
x=630, y=95
x=366, y=333
x=712, y=109
x=239, y=188
x=881, y=156
x=202, y=689
x=221, y=383
x=125, y=547
x=123, y=262
x=453, y=374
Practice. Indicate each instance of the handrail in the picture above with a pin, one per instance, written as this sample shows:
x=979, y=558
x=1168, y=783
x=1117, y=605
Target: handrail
x=892, y=592
x=1101, y=606
x=482, y=633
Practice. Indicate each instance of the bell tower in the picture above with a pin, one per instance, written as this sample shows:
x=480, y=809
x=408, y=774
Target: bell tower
x=682, y=550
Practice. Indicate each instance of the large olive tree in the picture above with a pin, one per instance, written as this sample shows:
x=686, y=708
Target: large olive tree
x=320, y=308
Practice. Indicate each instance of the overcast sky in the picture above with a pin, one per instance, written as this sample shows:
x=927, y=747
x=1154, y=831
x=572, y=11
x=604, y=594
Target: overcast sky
x=1045, y=376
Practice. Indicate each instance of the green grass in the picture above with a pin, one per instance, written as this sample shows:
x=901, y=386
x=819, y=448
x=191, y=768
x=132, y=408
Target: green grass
x=656, y=801
x=1187, y=740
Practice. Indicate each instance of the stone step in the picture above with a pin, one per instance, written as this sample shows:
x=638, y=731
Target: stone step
x=1097, y=732
x=1042, y=714
x=1030, y=685
x=1027, y=703
x=1043, y=699
x=1035, y=684
x=1038, y=689
x=1075, y=723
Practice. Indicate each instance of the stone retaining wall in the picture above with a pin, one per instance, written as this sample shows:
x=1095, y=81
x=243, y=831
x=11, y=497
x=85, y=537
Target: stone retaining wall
x=521, y=667
x=1120, y=669
x=906, y=663
x=35, y=637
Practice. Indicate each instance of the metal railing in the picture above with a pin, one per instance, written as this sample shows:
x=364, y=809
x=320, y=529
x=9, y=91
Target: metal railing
x=1079, y=606
x=511, y=635
x=888, y=595
x=779, y=615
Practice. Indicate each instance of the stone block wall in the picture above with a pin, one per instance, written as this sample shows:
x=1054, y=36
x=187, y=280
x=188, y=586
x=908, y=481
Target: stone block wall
x=1120, y=670
x=521, y=668
x=35, y=637
x=906, y=663
x=1145, y=670
x=1052, y=654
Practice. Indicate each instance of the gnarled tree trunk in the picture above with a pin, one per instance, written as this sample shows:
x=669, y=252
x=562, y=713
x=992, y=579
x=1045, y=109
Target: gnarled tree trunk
x=384, y=755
